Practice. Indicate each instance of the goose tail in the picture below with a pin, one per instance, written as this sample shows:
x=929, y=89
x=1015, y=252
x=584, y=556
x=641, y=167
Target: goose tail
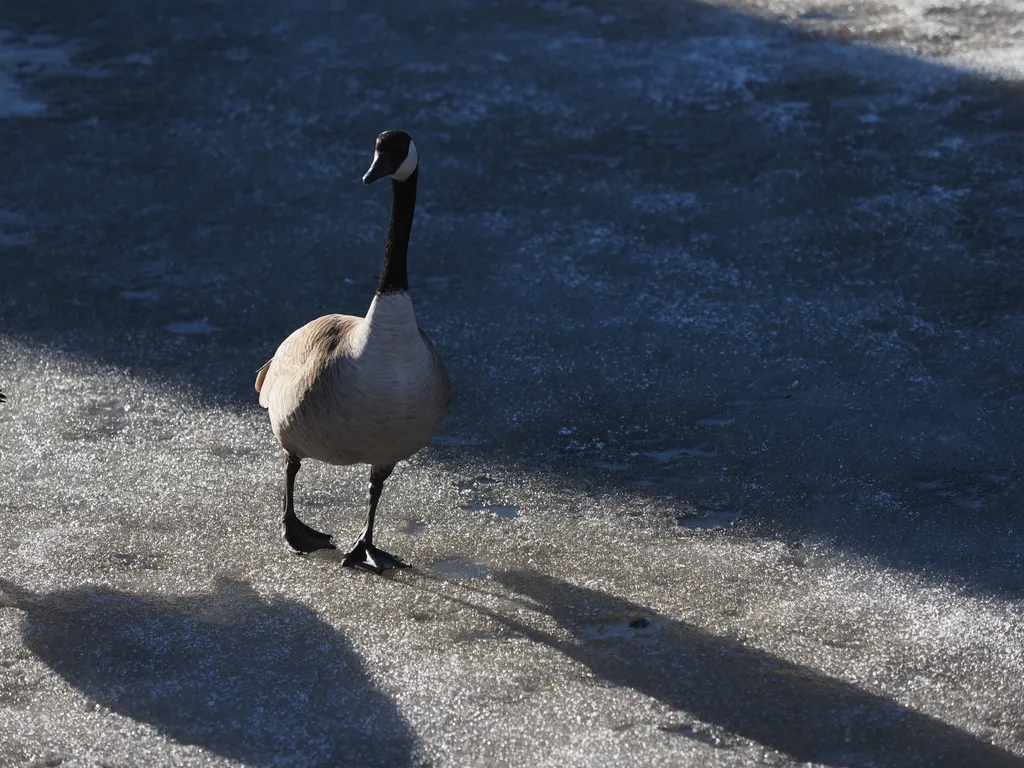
x=261, y=375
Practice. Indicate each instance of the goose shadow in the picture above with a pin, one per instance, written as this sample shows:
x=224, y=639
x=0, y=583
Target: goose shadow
x=262, y=681
x=790, y=708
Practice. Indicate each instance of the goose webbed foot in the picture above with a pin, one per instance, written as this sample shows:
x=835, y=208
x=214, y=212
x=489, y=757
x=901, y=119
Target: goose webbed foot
x=302, y=539
x=367, y=557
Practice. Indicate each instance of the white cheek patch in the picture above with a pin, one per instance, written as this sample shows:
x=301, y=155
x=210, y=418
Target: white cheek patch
x=408, y=165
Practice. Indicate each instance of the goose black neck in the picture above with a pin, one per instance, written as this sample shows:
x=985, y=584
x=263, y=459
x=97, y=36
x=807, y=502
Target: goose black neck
x=394, y=277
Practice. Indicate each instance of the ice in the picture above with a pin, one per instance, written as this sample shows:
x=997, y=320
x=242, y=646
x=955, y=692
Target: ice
x=731, y=475
x=191, y=328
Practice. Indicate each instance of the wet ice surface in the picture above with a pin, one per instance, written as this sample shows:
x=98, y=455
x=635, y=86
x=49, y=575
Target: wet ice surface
x=479, y=494
x=21, y=56
x=732, y=304
x=719, y=518
x=189, y=327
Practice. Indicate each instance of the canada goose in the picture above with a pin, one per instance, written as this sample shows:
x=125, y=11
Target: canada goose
x=2, y=398
x=360, y=390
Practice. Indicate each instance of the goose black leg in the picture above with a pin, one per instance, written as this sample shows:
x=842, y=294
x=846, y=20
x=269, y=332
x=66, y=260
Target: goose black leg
x=364, y=555
x=300, y=537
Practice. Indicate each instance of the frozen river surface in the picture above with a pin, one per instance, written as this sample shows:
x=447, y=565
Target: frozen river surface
x=732, y=299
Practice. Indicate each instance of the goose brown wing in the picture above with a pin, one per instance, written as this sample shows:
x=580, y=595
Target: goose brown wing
x=303, y=355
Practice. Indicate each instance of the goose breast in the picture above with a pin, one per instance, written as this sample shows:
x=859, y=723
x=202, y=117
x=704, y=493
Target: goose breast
x=347, y=390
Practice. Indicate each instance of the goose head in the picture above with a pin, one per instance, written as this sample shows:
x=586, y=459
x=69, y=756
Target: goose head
x=394, y=155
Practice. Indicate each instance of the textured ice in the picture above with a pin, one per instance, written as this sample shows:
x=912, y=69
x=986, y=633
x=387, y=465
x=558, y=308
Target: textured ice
x=730, y=296
x=24, y=55
x=190, y=327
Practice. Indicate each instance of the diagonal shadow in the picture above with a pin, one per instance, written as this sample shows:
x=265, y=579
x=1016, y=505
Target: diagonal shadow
x=796, y=710
x=264, y=682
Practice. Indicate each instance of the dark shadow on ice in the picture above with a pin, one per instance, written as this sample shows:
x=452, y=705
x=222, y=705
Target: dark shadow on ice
x=794, y=709
x=264, y=682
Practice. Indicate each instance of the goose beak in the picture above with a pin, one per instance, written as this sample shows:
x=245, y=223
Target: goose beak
x=378, y=170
